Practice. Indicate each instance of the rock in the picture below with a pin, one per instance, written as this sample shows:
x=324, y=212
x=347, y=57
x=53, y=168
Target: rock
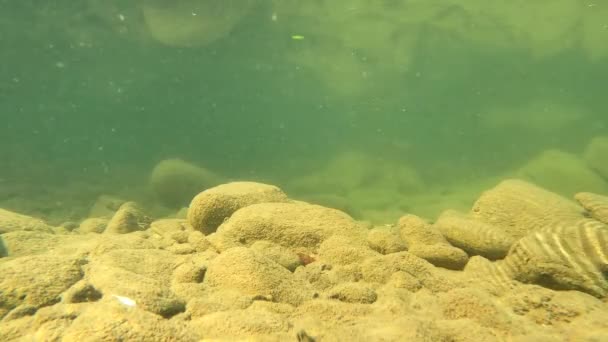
x=353, y=293
x=217, y=301
x=479, y=306
x=198, y=241
x=385, y=240
x=563, y=173
x=344, y=250
x=596, y=156
x=93, y=225
x=249, y=324
x=404, y=280
x=279, y=254
x=142, y=275
x=566, y=256
x=99, y=322
x=517, y=208
x=3, y=249
x=381, y=269
x=189, y=272
x=596, y=205
x=330, y=201
x=249, y=273
x=182, y=213
x=68, y=226
x=543, y=306
x=426, y=242
x=175, y=181
x=473, y=236
x=469, y=330
x=81, y=292
x=105, y=206
x=25, y=243
x=299, y=226
x=32, y=282
x=11, y=221
x=211, y=207
x=173, y=24
x=109, y=242
x=128, y=218
x=174, y=229
x=49, y=322
x=359, y=175
x=487, y=275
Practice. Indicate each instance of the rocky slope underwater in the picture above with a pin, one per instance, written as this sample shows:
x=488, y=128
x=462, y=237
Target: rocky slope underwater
x=249, y=263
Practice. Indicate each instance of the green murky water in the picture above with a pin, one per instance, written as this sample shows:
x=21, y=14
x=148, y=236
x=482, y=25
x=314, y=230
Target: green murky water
x=97, y=92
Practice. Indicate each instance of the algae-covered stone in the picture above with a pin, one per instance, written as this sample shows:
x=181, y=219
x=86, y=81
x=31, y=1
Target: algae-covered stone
x=250, y=273
x=241, y=325
x=3, y=249
x=563, y=173
x=11, y=221
x=596, y=205
x=380, y=269
x=36, y=281
x=426, y=242
x=385, y=240
x=566, y=256
x=192, y=23
x=474, y=236
x=142, y=275
x=353, y=293
x=596, y=157
x=110, y=321
x=517, y=207
x=211, y=207
x=475, y=305
x=344, y=250
x=175, y=181
x=279, y=254
x=299, y=226
x=105, y=206
x=128, y=218
x=93, y=225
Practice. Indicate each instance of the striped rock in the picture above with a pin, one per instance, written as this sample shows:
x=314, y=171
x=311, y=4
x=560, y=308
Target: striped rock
x=596, y=205
x=518, y=208
x=490, y=275
x=473, y=236
x=563, y=257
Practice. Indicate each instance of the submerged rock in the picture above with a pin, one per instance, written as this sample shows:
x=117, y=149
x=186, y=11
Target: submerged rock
x=596, y=205
x=175, y=181
x=426, y=242
x=596, y=156
x=561, y=172
x=299, y=226
x=243, y=270
x=11, y=221
x=128, y=218
x=474, y=236
x=213, y=206
x=517, y=208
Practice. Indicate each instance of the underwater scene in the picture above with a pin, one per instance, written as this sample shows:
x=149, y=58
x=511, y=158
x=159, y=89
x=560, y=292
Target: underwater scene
x=303, y=170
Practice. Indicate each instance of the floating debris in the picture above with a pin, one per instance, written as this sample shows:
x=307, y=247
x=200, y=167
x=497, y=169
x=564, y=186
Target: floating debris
x=125, y=301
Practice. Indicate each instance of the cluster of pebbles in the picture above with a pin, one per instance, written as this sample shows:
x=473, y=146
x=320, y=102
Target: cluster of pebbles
x=249, y=263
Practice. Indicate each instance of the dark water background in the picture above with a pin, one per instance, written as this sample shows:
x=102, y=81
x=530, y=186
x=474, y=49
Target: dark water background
x=108, y=111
